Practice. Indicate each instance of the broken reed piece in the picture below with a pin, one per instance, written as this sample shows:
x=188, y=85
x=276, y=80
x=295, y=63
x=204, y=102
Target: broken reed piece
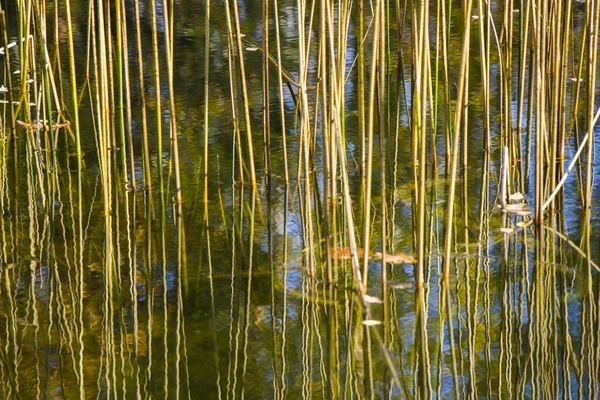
x=42, y=125
x=344, y=253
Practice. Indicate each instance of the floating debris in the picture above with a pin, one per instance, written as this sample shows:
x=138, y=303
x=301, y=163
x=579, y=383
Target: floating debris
x=524, y=224
x=344, y=253
x=519, y=209
x=13, y=44
x=42, y=125
x=516, y=196
x=398, y=258
x=372, y=299
x=402, y=286
x=371, y=322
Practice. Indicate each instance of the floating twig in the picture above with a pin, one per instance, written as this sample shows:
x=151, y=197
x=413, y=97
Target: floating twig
x=42, y=125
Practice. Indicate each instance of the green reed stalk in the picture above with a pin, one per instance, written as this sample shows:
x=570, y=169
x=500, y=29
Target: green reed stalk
x=303, y=51
x=46, y=108
x=592, y=11
x=539, y=67
x=419, y=130
x=114, y=129
x=8, y=74
x=329, y=174
x=566, y=35
x=8, y=180
x=142, y=94
x=508, y=136
x=206, y=107
x=554, y=103
x=159, y=124
x=361, y=90
x=127, y=85
x=338, y=60
x=399, y=96
x=120, y=92
x=266, y=109
x=369, y=132
x=577, y=94
x=281, y=393
x=173, y=133
x=484, y=49
x=280, y=87
x=328, y=178
x=458, y=123
x=245, y=100
x=231, y=43
x=24, y=11
x=383, y=115
x=593, y=365
x=522, y=62
x=435, y=97
x=464, y=132
x=56, y=52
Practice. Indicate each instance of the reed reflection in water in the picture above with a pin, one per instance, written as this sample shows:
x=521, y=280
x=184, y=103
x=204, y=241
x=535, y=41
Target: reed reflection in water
x=299, y=199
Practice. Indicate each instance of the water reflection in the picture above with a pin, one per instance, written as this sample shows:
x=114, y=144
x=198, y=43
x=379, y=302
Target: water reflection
x=110, y=288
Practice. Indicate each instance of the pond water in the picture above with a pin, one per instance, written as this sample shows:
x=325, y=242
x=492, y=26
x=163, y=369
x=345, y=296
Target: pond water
x=111, y=288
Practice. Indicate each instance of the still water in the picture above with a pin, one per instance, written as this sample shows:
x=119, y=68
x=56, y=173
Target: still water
x=110, y=289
